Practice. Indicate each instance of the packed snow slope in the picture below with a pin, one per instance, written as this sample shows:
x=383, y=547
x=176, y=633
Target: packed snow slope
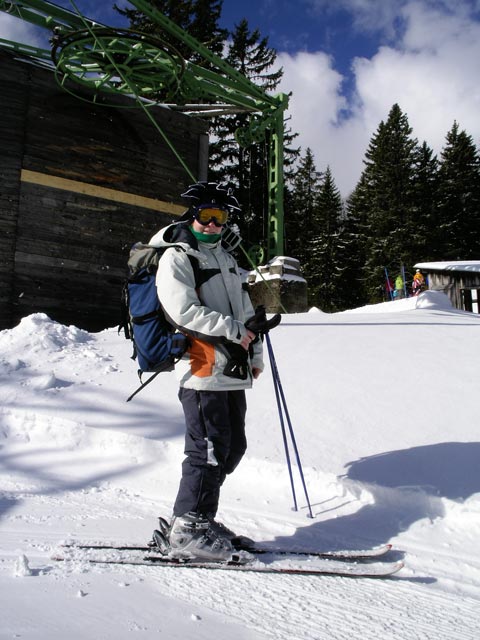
x=384, y=405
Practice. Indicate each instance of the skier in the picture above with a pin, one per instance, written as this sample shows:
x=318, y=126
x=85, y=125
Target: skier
x=224, y=356
x=418, y=284
x=399, y=291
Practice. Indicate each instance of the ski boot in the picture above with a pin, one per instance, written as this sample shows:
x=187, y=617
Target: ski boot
x=238, y=542
x=191, y=537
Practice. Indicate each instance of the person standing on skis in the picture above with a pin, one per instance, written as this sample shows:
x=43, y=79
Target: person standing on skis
x=225, y=355
x=418, y=284
x=399, y=288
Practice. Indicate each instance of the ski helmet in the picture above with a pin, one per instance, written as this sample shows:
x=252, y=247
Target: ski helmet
x=204, y=193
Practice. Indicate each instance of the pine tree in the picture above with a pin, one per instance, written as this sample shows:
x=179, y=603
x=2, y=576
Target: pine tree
x=324, y=261
x=387, y=185
x=179, y=11
x=425, y=228
x=199, y=18
x=204, y=27
x=302, y=213
x=355, y=237
x=459, y=197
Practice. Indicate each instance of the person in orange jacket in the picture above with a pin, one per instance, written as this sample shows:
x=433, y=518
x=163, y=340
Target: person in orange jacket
x=418, y=284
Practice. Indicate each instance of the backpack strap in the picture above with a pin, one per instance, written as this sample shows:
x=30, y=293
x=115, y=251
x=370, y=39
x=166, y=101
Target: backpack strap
x=196, y=270
x=144, y=384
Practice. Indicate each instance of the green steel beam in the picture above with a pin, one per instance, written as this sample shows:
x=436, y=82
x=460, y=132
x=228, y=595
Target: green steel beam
x=27, y=50
x=275, y=190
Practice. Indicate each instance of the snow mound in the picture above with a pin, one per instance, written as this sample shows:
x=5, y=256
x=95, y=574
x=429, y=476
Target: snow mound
x=38, y=332
x=22, y=567
x=426, y=300
x=433, y=300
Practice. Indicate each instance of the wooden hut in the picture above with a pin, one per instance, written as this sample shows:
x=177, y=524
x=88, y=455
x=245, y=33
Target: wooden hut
x=459, y=280
x=79, y=184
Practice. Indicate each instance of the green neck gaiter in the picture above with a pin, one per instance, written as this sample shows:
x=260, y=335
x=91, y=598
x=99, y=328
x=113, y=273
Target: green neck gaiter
x=210, y=238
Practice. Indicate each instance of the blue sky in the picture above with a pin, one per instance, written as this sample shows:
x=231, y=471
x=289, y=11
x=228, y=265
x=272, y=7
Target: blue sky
x=347, y=62
x=304, y=25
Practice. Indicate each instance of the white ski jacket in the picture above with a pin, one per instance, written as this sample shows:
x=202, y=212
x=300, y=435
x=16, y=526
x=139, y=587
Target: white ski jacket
x=212, y=315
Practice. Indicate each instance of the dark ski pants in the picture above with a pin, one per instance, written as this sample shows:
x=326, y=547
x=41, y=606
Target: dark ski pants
x=215, y=443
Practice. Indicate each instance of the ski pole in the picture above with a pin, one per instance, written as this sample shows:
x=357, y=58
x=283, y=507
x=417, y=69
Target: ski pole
x=390, y=292
x=404, y=281
x=280, y=396
x=282, y=422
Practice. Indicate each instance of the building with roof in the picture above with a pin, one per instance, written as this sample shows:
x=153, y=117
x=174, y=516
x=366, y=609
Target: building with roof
x=459, y=280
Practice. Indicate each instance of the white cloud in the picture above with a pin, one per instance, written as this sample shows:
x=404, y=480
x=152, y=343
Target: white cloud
x=432, y=72
x=315, y=107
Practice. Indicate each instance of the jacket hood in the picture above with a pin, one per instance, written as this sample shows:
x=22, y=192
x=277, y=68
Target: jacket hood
x=176, y=234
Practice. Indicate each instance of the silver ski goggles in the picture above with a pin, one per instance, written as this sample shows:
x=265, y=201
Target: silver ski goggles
x=205, y=215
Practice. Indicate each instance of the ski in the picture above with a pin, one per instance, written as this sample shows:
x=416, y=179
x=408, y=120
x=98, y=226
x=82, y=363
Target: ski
x=329, y=568
x=345, y=554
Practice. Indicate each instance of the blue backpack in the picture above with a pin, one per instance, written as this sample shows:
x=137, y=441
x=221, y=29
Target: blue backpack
x=157, y=345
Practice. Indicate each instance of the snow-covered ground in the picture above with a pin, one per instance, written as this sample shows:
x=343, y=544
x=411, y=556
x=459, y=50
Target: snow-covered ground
x=384, y=404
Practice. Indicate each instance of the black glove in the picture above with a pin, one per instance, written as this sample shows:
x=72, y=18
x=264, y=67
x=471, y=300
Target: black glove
x=237, y=365
x=259, y=324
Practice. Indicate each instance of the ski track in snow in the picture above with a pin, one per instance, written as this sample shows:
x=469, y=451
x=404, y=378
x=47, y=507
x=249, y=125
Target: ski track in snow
x=301, y=607
x=317, y=609
x=312, y=608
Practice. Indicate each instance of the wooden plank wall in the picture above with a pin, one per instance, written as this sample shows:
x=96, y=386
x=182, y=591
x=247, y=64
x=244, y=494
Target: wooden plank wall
x=86, y=182
x=452, y=283
x=13, y=105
